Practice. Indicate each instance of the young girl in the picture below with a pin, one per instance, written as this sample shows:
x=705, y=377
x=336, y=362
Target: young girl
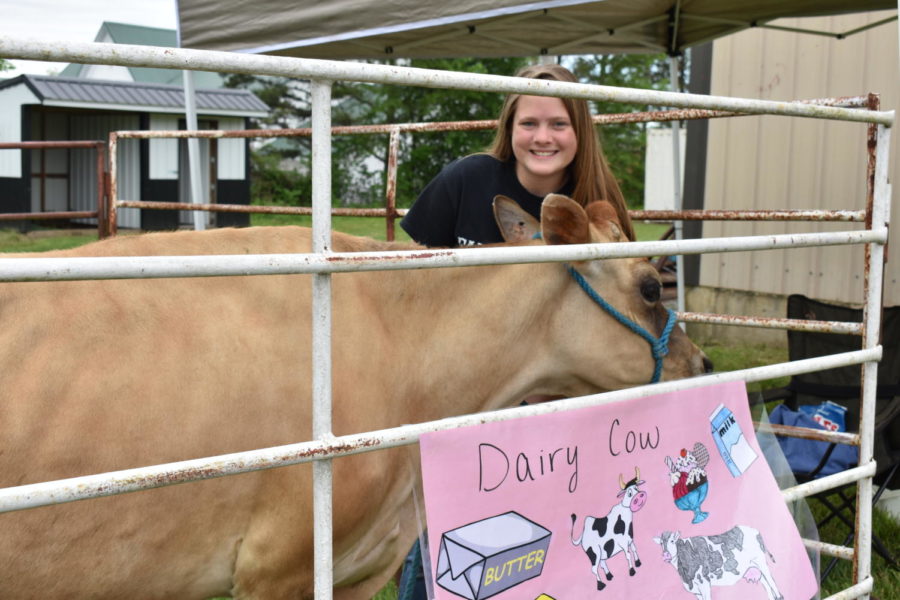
x=543, y=145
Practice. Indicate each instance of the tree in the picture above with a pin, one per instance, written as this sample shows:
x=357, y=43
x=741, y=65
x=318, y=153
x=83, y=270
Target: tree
x=5, y=65
x=624, y=145
x=358, y=169
x=422, y=155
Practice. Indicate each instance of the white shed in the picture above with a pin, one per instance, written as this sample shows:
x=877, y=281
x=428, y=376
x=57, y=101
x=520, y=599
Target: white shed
x=44, y=108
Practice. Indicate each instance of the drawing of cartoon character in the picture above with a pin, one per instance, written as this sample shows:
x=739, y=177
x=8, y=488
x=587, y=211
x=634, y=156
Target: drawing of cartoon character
x=719, y=560
x=602, y=538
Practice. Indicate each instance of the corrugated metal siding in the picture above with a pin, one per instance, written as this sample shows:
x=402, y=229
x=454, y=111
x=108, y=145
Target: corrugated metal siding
x=164, y=153
x=12, y=99
x=232, y=160
x=53, y=162
x=659, y=182
x=97, y=127
x=780, y=162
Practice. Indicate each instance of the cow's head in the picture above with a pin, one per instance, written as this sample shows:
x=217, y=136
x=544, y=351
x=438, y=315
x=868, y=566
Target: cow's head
x=633, y=498
x=586, y=330
x=667, y=540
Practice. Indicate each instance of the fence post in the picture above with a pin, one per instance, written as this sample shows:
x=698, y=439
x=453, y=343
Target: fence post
x=112, y=192
x=321, y=336
x=391, y=191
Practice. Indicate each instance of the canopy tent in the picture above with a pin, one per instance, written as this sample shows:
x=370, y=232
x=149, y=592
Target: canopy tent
x=362, y=29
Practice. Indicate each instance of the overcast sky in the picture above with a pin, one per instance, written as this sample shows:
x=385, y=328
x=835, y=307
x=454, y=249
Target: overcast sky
x=76, y=20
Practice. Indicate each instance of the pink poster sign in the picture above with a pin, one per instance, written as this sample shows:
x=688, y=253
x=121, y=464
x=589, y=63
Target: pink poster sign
x=662, y=497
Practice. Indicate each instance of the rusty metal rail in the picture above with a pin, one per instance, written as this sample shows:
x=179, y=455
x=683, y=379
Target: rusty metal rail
x=102, y=211
x=391, y=212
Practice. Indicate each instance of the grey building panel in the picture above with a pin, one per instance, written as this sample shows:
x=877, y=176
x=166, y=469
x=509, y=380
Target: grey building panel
x=66, y=89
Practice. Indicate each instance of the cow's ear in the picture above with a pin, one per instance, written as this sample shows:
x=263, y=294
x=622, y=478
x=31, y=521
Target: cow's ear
x=563, y=221
x=515, y=224
x=657, y=540
x=604, y=217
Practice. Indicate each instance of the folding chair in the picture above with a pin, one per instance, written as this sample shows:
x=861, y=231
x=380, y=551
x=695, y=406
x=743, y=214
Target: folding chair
x=843, y=386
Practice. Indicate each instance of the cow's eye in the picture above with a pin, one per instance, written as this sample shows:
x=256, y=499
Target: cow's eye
x=651, y=290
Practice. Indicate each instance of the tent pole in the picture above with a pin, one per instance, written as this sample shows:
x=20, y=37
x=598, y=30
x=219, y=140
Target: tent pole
x=193, y=144
x=675, y=76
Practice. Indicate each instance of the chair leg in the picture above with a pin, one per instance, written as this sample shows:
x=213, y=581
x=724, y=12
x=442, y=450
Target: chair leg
x=837, y=511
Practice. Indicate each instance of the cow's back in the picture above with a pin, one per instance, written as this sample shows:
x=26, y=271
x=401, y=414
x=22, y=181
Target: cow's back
x=108, y=375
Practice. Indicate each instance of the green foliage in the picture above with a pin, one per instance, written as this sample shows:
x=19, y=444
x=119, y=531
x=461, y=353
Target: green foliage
x=358, y=175
x=422, y=155
x=5, y=65
x=273, y=183
x=625, y=144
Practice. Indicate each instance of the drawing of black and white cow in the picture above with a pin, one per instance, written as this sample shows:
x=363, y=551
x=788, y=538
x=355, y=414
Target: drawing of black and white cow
x=705, y=561
x=604, y=537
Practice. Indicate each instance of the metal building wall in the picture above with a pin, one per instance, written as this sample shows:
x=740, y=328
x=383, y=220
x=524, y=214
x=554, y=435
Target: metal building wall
x=82, y=169
x=777, y=162
x=232, y=158
x=12, y=99
x=50, y=172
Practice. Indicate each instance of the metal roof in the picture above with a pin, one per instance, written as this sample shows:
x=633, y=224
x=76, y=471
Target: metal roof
x=124, y=33
x=120, y=95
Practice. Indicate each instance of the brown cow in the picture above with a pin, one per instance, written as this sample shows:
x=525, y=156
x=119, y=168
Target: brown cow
x=107, y=375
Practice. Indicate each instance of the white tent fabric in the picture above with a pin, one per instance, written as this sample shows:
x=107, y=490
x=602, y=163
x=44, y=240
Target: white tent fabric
x=363, y=29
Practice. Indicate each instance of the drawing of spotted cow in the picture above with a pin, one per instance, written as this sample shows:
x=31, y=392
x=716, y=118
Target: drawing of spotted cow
x=602, y=538
x=717, y=560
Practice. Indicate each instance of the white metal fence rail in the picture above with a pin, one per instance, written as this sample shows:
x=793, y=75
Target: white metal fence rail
x=322, y=262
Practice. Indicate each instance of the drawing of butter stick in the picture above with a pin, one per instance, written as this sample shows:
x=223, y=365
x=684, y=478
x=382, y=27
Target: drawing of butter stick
x=481, y=559
x=731, y=442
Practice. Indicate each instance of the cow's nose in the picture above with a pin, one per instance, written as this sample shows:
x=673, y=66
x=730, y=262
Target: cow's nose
x=707, y=364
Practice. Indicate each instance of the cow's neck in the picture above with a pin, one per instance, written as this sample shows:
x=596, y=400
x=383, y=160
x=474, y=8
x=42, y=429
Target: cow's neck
x=487, y=334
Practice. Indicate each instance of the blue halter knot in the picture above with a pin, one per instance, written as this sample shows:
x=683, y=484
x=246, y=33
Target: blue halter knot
x=659, y=347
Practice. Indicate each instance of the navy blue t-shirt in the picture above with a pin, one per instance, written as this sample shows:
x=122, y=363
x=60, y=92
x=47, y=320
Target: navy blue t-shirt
x=456, y=208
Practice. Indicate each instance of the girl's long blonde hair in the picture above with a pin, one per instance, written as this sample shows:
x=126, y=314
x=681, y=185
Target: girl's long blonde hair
x=591, y=173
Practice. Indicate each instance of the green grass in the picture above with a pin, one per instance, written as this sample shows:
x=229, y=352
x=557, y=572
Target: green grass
x=649, y=232
x=42, y=241
x=887, y=580
x=732, y=358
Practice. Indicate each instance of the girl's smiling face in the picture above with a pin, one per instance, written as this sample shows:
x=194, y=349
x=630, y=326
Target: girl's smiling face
x=543, y=142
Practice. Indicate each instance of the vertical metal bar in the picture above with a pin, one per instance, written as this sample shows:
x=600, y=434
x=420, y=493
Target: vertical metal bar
x=113, y=191
x=193, y=144
x=675, y=75
x=321, y=334
x=391, y=191
x=862, y=565
x=102, y=230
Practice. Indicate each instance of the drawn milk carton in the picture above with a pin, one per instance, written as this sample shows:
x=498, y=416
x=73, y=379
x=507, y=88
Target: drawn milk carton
x=730, y=440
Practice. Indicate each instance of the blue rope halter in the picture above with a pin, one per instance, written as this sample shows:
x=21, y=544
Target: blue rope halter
x=659, y=347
